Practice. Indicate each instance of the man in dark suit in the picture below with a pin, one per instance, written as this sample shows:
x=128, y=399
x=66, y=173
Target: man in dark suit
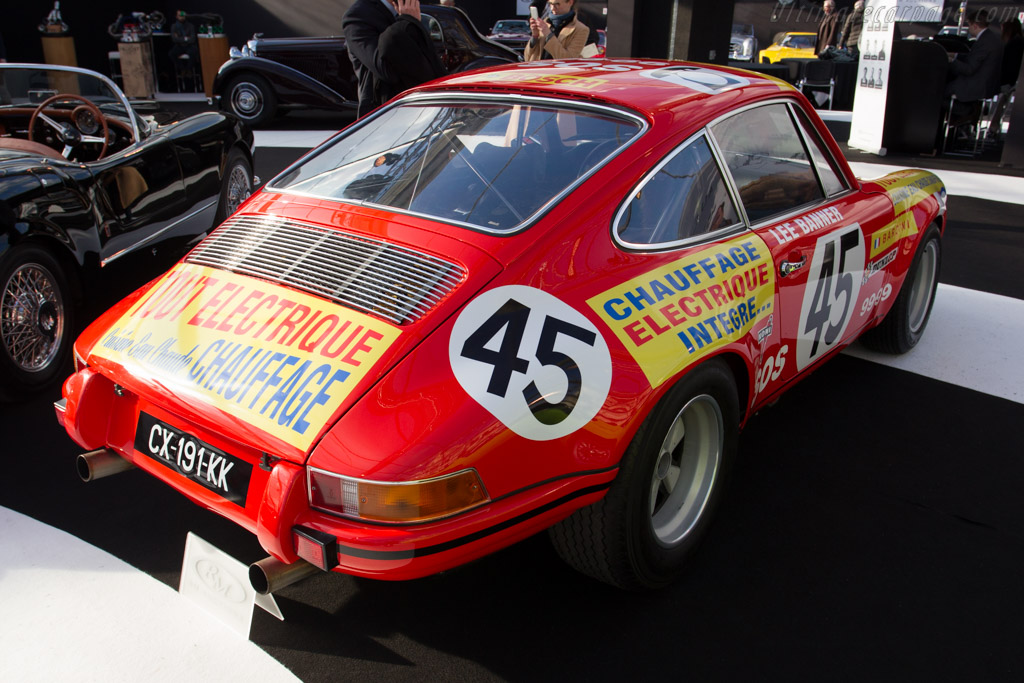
x=390, y=49
x=976, y=76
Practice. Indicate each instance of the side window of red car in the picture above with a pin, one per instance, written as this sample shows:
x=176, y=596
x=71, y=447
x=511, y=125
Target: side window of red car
x=830, y=178
x=686, y=196
x=768, y=161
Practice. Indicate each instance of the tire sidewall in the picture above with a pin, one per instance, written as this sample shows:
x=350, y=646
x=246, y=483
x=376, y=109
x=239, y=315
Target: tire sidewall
x=652, y=562
x=266, y=97
x=13, y=379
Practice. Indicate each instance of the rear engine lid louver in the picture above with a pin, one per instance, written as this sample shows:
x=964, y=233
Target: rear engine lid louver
x=396, y=283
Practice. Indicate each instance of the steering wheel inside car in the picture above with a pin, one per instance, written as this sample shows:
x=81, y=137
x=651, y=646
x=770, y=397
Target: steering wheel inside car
x=67, y=132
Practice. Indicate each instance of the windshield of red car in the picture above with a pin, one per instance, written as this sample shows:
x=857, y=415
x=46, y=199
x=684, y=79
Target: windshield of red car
x=488, y=165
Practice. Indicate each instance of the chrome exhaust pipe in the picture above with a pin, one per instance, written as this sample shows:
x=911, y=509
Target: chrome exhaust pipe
x=270, y=575
x=100, y=463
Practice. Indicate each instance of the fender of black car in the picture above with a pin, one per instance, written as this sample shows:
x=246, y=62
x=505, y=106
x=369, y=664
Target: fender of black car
x=42, y=201
x=284, y=79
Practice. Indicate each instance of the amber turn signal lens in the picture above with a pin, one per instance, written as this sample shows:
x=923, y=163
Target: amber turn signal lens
x=396, y=502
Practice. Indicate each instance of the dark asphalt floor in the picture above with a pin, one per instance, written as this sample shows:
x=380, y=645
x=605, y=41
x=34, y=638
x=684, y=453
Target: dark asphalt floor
x=873, y=530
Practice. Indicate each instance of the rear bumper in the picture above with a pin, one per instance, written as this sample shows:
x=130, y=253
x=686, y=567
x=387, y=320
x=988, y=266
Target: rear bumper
x=98, y=415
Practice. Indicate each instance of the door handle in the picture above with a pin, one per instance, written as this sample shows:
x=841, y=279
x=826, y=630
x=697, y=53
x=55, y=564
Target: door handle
x=789, y=267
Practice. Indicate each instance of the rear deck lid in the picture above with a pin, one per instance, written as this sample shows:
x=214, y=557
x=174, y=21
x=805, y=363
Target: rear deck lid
x=273, y=326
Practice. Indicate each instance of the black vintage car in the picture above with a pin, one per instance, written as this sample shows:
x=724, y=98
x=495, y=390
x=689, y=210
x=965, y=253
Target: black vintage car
x=92, y=195
x=270, y=75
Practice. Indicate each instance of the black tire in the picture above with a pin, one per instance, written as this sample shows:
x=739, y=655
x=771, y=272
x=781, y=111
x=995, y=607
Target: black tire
x=235, y=184
x=643, y=532
x=251, y=99
x=904, y=324
x=37, y=321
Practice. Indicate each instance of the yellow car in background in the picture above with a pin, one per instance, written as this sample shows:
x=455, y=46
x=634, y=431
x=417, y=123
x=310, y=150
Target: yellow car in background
x=789, y=44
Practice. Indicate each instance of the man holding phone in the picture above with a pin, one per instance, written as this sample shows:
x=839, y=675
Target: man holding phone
x=561, y=36
x=390, y=49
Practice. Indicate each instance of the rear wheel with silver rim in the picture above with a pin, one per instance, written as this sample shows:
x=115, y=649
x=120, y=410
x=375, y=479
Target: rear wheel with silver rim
x=642, y=533
x=36, y=321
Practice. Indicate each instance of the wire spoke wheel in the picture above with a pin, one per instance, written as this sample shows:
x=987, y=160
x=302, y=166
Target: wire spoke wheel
x=239, y=187
x=32, y=317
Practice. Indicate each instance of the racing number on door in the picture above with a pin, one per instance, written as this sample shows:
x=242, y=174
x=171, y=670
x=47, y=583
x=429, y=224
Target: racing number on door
x=534, y=362
x=833, y=286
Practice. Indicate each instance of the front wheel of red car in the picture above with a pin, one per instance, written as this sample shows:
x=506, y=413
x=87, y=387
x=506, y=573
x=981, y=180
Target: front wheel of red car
x=36, y=321
x=904, y=324
x=642, y=533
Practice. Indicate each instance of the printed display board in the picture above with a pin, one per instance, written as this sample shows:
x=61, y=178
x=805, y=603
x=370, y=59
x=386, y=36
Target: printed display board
x=872, y=78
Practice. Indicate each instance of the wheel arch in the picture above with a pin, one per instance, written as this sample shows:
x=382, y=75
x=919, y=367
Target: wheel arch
x=57, y=244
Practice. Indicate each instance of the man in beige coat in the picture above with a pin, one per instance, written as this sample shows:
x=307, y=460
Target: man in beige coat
x=561, y=36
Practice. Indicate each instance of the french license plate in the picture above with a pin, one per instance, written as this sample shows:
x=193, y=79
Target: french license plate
x=193, y=458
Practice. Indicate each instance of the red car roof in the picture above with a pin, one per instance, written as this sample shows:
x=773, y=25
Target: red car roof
x=645, y=85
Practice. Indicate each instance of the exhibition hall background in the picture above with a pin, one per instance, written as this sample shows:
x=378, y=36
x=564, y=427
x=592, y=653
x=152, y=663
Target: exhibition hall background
x=696, y=30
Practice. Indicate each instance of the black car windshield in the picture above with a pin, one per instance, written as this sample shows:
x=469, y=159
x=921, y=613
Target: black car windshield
x=488, y=165
x=30, y=86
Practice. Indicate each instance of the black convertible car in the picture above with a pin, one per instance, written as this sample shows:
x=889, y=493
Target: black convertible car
x=269, y=75
x=90, y=192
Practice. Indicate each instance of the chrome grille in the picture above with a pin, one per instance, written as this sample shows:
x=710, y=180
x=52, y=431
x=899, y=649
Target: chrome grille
x=368, y=274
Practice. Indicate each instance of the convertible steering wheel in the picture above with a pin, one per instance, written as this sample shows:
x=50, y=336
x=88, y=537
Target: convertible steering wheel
x=68, y=132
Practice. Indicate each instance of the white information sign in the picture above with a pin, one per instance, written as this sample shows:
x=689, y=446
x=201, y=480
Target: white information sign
x=872, y=78
x=219, y=584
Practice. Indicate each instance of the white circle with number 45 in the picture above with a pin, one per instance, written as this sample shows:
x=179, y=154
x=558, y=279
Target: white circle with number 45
x=534, y=362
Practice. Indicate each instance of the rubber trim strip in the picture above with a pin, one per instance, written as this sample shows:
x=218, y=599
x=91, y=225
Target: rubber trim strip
x=483, y=533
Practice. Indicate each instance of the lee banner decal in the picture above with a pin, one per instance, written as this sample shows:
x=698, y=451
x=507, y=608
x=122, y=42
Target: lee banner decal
x=683, y=311
x=279, y=359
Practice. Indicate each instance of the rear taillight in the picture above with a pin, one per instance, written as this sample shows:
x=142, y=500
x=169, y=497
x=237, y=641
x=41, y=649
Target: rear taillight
x=396, y=502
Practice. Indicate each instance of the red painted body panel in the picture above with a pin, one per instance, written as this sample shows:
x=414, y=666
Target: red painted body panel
x=411, y=419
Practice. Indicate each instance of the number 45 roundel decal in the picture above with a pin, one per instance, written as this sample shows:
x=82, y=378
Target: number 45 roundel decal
x=533, y=361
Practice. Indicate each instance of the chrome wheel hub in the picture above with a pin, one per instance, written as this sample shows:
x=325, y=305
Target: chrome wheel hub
x=246, y=100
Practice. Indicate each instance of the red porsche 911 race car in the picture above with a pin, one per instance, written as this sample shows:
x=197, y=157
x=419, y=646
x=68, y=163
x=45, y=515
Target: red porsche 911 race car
x=541, y=296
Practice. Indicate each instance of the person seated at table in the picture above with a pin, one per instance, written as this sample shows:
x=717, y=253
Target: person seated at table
x=975, y=76
x=183, y=35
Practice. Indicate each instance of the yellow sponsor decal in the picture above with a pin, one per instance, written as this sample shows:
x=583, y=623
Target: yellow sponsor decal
x=279, y=359
x=908, y=187
x=903, y=226
x=672, y=317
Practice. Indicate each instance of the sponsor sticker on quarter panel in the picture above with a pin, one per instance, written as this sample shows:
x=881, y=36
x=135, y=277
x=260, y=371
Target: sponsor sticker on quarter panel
x=533, y=361
x=907, y=189
x=672, y=317
x=280, y=359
